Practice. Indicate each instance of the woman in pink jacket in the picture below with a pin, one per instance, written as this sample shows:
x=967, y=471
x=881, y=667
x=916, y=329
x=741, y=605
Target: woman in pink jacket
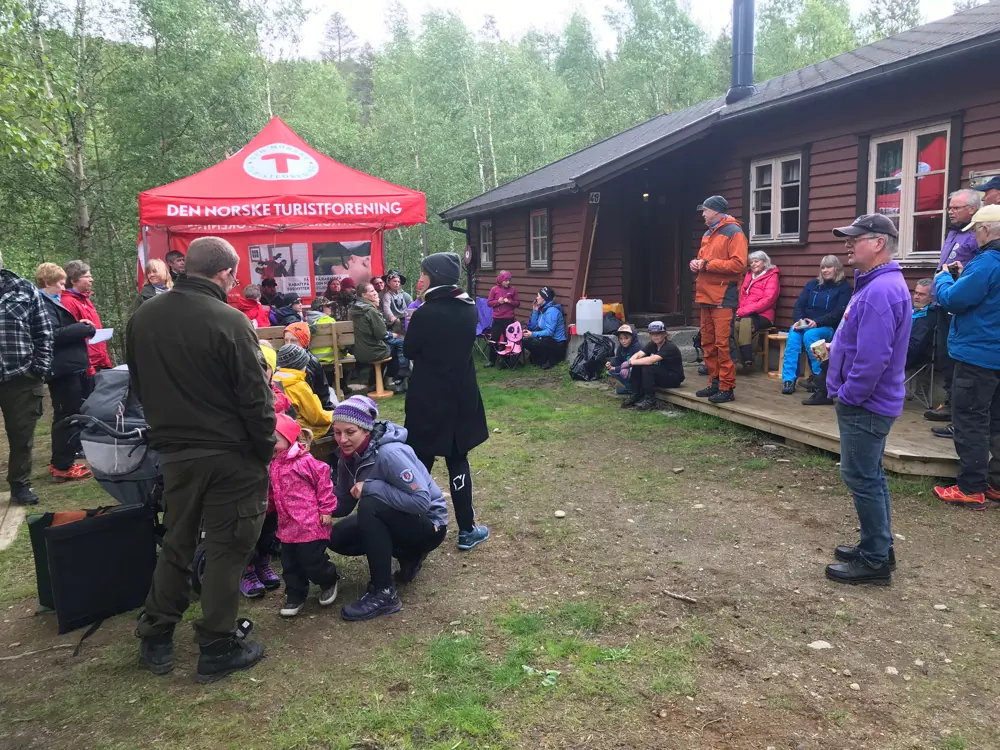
x=758, y=300
x=503, y=300
x=302, y=491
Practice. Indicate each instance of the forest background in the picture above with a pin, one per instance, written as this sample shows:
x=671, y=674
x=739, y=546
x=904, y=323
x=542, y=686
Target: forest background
x=101, y=99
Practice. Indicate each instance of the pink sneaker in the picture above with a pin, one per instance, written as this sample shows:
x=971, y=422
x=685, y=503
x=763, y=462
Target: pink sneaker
x=268, y=578
x=250, y=585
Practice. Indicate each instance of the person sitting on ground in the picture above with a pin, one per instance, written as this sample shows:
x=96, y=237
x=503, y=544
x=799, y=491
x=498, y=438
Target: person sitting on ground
x=503, y=301
x=372, y=342
x=158, y=281
x=68, y=385
x=269, y=294
x=282, y=405
x=619, y=365
x=289, y=312
x=545, y=338
x=925, y=313
x=250, y=305
x=401, y=511
x=301, y=490
x=292, y=363
x=345, y=300
x=395, y=301
x=332, y=289
x=299, y=333
x=817, y=313
x=758, y=303
x=657, y=365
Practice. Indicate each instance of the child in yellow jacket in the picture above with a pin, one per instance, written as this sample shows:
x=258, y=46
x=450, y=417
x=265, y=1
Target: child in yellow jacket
x=292, y=361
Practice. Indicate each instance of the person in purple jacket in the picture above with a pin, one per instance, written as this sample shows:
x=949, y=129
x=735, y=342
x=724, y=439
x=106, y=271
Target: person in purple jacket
x=866, y=374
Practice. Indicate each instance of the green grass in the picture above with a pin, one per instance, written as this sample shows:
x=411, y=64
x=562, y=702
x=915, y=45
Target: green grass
x=954, y=742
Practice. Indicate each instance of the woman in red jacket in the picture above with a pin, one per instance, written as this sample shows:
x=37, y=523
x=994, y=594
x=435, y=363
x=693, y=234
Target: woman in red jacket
x=77, y=300
x=758, y=300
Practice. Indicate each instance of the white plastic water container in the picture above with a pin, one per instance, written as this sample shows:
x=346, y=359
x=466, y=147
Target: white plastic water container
x=589, y=316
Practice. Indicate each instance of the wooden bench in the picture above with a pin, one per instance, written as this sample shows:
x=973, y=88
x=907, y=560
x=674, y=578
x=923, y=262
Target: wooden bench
x=335, y=336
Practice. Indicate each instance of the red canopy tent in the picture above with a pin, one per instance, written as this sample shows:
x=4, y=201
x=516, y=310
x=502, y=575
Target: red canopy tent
x=292, y=213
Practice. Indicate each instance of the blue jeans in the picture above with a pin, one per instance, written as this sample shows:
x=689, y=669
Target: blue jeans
x=396, y=352
x=616, y=373
x=796, y=340
x=862, y=443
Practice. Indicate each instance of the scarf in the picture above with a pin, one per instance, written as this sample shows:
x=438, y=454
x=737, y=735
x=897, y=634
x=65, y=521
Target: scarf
x=450, y=291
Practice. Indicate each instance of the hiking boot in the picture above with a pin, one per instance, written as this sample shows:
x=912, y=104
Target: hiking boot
x=623, y=391
x=809, y=384
x=787, y=387
x=857, y=571
x=948, y=433
x=472, y=538
x=647, y=403
x=408, y=569
x=629, y=402
x=372, y=604
x=847, y=553
x=328, y=595
x=548, y=365
x=709, y=391
x=265, y=574
x=22, y=494
x=723, y=397
x=941, y=414
x=156, y=653
x=250, y=585
x=74, y=473
x=992, y=494
x=703, y=369
x=818, y=398
x=954, y=496
x=292, y=606
x=225, y=657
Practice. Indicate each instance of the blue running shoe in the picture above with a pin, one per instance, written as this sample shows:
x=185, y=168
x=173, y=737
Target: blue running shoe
x=372, y=604
x=473, y=538
x=623, y=391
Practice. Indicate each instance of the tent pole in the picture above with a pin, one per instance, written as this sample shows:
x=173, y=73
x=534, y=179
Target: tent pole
x=145, y=246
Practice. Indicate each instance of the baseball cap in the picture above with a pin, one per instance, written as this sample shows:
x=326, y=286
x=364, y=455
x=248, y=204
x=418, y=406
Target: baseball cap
x=625, y=328
x=869, y=223
x=991, y=184
x=714, y=203
x=657, y=326
x=983, y=215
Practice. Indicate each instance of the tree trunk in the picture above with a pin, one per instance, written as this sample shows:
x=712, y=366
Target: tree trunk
x=475, y=129
x=493, y=152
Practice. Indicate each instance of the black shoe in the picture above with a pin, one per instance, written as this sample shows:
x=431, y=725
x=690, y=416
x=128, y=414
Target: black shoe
x=788, y=388
x=944, y=432
x=940, y=414
x=226, y=656
x=22, y=494
x=703, y=369
x=156, y=653
x=808, y=384
x=408, y=569
x=710, y=391
x=548, y=365
x=292, y=605
x=856, y=572
x=847, y=553
x=818, y=398
x=723, y=397
x=646, y=403
x=490, y=364
x=372, y=604
x=630, y=401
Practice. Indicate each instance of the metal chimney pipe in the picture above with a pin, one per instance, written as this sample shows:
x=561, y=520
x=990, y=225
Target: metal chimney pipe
x=742, y=60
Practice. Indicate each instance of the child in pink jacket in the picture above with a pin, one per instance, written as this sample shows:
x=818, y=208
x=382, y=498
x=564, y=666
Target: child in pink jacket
x=302, y=492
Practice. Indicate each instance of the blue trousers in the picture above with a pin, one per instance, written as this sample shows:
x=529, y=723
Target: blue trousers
x=797, y=340
x=862, y=443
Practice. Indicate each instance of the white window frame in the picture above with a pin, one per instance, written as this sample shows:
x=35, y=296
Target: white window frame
x=486, y=244
x=539, y=244
x=907, y=213
x=775, y=237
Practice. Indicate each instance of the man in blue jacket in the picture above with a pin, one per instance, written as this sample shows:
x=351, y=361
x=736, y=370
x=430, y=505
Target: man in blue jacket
x=972, y=295
x=867, y=373
x=545, y=338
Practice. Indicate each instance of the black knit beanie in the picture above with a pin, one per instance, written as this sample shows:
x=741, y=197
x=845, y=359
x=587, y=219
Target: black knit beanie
x=548, y=293
x=444, y=269
x=293, y=357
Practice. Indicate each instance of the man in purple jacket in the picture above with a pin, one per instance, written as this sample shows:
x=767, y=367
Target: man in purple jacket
x=866, y=374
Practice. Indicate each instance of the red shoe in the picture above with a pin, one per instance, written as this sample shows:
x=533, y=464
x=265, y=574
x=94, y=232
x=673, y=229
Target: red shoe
x=74, y=473
x=954, y=496
x=992, y=494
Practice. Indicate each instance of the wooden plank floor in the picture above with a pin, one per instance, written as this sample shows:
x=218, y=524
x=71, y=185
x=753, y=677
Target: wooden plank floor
x=911, y=448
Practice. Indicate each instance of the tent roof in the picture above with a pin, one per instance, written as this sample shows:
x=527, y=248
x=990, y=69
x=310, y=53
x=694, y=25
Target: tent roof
x=279, y=180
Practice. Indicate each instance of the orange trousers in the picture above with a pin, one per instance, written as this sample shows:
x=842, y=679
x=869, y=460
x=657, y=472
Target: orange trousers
x=716, y=326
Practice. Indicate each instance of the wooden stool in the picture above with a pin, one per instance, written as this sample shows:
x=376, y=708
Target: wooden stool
x=782, y=339
x=380, y=391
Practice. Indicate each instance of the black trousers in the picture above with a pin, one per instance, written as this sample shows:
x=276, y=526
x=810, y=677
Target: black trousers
x=942, y=361
x=381, y=533
x=305, y=562
x=267, y=542
x=21, y=406
x=498, y=332
x=545, y=349
x=460, y=481
x=975, y=413
x=645, y=379
x=67, y=393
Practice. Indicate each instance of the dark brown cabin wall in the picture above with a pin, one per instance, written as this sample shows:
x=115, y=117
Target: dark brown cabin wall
x=606, y=280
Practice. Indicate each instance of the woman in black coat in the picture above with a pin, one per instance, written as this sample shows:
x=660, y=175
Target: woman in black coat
x=444, y=411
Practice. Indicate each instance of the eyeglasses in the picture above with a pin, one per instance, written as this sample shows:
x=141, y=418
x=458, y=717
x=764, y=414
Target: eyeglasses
x=958, y=208
x=852, y=241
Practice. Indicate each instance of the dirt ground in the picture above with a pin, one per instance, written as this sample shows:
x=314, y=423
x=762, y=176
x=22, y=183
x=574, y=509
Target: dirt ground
x=559, y=632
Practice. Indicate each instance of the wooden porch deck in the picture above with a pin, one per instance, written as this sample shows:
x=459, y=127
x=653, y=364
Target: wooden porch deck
x=911, y=448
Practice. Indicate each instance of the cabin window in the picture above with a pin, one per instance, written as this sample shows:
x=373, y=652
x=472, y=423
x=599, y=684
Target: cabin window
x=907, y=181
x=486, y=244
x=776, y=199
x=539, y=240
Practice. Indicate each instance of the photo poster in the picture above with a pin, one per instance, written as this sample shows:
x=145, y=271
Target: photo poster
x=337, y=260
x=287, y=264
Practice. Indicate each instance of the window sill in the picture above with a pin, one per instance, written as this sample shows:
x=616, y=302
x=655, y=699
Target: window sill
x=931, y=263
x=539, y=269
x=777, y=243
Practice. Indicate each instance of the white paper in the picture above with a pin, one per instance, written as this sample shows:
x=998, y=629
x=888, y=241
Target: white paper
x=102, y=335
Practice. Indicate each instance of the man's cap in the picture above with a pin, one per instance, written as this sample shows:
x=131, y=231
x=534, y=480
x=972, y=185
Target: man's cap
x=269, y=282
x=625, y=328
x=991, y=184
x=714, y=203
x=868, y=224
x=397, y=274
x=984, y=215
x=657, y=326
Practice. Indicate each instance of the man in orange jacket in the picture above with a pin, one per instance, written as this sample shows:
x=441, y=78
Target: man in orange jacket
x=719, y=266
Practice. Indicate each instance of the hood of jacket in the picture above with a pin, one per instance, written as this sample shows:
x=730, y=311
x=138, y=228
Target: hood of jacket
x=287, y=376
x=249, y=307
